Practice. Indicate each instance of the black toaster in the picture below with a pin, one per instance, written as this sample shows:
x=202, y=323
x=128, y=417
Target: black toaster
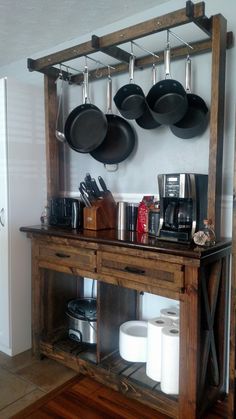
x=66, y=212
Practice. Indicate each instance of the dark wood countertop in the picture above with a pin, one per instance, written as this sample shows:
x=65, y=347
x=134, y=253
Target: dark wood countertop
x=131, y=239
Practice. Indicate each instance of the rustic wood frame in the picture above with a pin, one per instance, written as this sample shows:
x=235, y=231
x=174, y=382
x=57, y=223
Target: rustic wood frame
x=218, y=41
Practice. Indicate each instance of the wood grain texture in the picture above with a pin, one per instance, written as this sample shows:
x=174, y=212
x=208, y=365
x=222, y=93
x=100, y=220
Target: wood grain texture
x=219, y=26
x=82, y=397
x=52, y=144
x=148, y=27
x=232, y=363
x=117, y=289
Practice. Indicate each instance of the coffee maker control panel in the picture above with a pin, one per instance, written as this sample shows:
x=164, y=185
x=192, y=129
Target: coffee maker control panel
x=179, y=185
x=172, y=186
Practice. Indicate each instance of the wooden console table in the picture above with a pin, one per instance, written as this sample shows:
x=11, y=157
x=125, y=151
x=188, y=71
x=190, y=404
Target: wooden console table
x=198, y=278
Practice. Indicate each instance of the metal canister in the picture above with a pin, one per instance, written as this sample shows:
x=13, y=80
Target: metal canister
x=121, y=215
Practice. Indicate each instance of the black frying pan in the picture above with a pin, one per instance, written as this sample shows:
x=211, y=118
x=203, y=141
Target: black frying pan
x=167, y=98
x=130, y=99
x=120, y=139
x=196, y=118
x=147, y=119
x=86, y=125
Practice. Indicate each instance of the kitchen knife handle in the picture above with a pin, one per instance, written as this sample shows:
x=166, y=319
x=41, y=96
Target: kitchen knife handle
x=95, y=187
x=134, y=270
x=102, y=183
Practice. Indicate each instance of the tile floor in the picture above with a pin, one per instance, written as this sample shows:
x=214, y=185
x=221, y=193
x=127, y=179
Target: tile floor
x=24, y=379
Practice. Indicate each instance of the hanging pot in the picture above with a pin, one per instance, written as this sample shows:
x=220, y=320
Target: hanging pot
x=196, y=118
x=130, y=99
x=167, y=98
x=86, y=125
x=147, y=119
x=120, y=138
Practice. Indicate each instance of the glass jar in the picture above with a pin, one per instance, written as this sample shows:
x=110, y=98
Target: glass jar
x=45, y=216
x=209, y=232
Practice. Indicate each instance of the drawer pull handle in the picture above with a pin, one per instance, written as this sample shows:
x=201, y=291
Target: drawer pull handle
x=133, y=270
x=62, y=255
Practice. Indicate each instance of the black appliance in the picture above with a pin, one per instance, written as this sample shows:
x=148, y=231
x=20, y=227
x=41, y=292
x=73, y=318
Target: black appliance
x=183, y=205
x=66, y=212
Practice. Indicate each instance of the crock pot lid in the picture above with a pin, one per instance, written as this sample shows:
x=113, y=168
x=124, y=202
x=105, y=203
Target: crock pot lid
x=83, y=308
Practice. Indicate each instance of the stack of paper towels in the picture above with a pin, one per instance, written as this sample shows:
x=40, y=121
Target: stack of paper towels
x=163, y=350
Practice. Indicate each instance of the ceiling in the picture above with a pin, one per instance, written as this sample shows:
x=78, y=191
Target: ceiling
x=31, y=26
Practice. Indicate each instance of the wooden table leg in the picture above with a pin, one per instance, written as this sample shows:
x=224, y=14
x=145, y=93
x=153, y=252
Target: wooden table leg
x=189, y=345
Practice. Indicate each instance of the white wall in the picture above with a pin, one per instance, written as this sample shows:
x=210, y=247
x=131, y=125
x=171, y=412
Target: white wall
x=157, y=151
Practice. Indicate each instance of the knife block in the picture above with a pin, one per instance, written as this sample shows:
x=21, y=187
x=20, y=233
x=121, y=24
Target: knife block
x=102, y=214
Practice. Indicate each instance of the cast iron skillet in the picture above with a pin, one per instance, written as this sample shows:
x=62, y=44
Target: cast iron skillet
x=196, y=118
x=130, y=99
x=86, y=125
x=120, y=138
x=167, y=98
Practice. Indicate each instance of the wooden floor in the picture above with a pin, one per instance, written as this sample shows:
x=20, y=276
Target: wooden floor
x=85, y=398
x=82, y=397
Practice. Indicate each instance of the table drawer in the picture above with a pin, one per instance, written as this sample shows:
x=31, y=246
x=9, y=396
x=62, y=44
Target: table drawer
x=146, y=271
x=69, y=256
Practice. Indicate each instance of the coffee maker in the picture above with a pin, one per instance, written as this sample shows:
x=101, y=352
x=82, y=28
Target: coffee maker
x=183, y=205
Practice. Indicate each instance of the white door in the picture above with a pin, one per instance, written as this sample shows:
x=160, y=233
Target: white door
x=4, y=244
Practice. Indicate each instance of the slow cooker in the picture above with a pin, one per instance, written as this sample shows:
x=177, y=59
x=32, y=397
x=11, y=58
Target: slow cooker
x=82, y=319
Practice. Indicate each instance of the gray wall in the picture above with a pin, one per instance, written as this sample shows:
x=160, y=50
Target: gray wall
x=157, y=151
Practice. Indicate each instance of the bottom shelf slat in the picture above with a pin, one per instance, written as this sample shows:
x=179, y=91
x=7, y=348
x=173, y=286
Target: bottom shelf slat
x=123, y=376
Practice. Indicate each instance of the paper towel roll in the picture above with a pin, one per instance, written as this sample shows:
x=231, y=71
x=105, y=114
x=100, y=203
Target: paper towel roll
x=170, y=360
x=171, y=313
x=133, y=341
x=176, y=323
x=154, y=328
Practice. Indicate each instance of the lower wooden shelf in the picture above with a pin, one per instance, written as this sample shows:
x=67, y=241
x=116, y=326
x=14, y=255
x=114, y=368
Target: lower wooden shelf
x=113, y=371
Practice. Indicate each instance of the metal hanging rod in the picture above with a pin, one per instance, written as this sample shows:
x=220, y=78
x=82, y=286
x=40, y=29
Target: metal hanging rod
x=68, y=75
x=180, y=39
x=144, y=49
x=71, y=68
x=99, y=62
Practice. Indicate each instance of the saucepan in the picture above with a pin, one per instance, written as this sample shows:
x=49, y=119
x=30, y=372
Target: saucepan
x=147, y=120
x=196, y=118
x=130, y=99
x=167, y=98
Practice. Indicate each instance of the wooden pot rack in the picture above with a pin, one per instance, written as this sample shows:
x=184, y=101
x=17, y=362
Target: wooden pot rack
x=218, y=40
x=108, y=44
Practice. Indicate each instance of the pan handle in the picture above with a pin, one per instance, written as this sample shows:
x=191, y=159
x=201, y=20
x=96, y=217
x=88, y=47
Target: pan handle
x=85, y=85
x=154, y=74
x=188, y=80
x=131, y=68
x=167, y=57
x=109, y=94
x=167, y=62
